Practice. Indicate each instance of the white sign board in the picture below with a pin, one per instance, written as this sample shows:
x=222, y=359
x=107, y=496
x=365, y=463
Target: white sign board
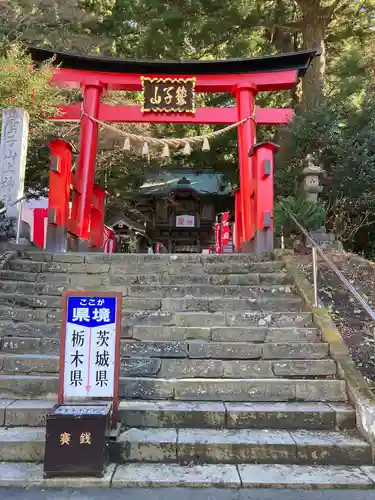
x=91, y=346
x=13, y=151
x=185, y=221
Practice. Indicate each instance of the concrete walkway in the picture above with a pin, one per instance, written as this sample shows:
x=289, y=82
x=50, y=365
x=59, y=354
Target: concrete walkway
x=183, y=494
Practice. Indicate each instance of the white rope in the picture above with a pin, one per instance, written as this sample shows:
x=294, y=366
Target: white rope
x=170, y=142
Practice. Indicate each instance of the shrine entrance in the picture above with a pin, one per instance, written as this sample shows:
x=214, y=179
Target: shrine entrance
x=169, y=89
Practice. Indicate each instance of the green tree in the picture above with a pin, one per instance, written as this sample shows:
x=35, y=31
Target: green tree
x=26, y=87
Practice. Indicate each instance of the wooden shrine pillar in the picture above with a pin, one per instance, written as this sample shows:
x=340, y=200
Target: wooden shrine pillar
x=263, y=155
x=244, y=95
x=237, y=221
x=59, y=195
x=84, y=178
x=96, y=236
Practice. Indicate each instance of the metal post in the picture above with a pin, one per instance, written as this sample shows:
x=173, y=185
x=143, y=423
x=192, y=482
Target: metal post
x=282, y=239
x=315, y=276
x=19, y=220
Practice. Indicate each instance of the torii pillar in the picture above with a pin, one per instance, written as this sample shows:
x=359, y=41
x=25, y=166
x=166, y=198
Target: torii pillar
x=245, y=94
x=88, y=145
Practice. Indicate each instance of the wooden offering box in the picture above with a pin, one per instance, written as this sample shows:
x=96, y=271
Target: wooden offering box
x=77, y=440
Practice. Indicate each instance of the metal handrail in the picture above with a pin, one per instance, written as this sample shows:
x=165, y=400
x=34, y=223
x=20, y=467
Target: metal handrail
x=12, y=204
x=5, y=209
x=316, y=248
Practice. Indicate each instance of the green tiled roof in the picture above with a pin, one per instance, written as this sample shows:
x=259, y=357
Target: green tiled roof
x=202, y=183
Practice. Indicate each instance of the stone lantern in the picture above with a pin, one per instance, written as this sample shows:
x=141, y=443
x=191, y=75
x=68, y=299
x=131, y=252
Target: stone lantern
x=311, y=179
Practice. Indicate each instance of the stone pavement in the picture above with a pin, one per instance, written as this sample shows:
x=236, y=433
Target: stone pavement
x=184, y=494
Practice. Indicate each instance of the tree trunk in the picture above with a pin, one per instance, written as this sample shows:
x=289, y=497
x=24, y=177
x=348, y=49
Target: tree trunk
x=315, y=20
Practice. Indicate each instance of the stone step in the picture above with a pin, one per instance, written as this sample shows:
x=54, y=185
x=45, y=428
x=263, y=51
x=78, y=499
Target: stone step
x=28, y=387
x=57, y=267
x=226, y=334
x=248, y=390
x=153, y=267
x=30, y=475
x=47, y=283
x=191, y=291
x=22, y=444
x=224, y=350
x=33, y=301
x=41, y=337
x=149, y=475
x=283, y=352
x=24, y=412
x=81, y=257
x=187, y=414
x=263, y=302
x=180, y=414
x=156, y=290
x=26, y=444
x=164, y=318
x=189, y=389
x=231, y=446
x=32, y=330
x=28, y=364
x=36, y=364
x=218, y=368
x=273, y=278
x=205, y=319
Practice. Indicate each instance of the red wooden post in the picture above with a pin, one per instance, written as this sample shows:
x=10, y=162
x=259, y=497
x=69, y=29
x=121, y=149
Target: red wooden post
x=244, y=95
x=40, y=217
x=218, y=248
x=83, y=190
x=59, y=194
x=237, y=221
x=96, y=236
x=263, y=155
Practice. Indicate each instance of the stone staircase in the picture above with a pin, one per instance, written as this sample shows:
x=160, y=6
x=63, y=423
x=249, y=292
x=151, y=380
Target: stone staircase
x=224, y=378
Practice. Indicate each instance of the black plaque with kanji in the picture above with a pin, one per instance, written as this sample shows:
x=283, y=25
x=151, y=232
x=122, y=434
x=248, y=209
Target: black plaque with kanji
x=77, y=440
x=168, y=95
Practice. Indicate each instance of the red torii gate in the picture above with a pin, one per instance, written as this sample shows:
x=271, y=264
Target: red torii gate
x=244, y=78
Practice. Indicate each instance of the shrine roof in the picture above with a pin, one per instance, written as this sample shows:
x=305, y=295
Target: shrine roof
x=121, y=220
x=204, y=183
x=299, y=61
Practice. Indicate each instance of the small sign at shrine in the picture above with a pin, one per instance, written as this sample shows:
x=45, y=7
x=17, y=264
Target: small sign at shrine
x=185, y=221
x=90, y=346
x=168, y=95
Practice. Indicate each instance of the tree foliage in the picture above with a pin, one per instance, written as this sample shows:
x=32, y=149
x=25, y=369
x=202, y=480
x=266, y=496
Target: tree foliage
x=310, y=214
x=24, y=86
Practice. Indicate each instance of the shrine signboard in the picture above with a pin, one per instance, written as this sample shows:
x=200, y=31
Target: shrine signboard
x=168, y=95
x=13, y=150
x=90, y=346
x=185, y=221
